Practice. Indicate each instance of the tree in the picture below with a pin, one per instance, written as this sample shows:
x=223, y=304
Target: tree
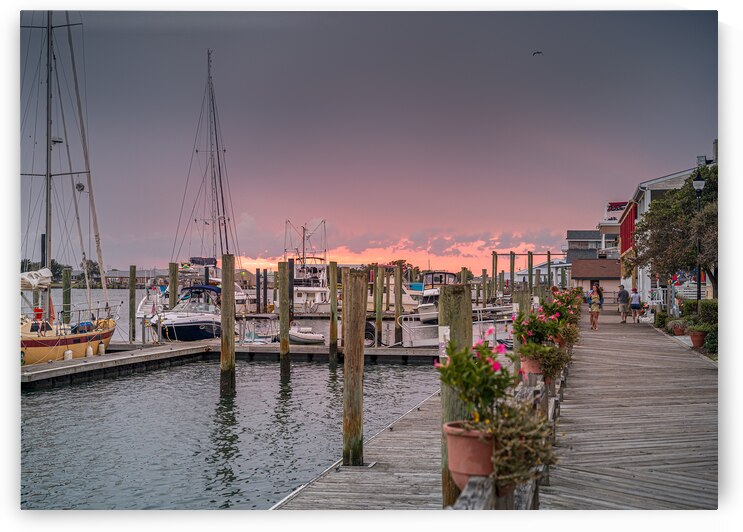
x=92, y=267
x=666, y=237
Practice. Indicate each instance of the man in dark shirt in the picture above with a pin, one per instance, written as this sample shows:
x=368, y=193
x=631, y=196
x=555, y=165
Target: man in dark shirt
x=623, y=299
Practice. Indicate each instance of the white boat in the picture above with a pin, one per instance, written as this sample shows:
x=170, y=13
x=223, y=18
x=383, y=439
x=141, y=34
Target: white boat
x=305, y=335
x=77, y=331
x=428, y=308
x=196, y=316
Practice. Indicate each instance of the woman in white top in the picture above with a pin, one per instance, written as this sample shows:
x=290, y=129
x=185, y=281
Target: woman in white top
x=635, y=305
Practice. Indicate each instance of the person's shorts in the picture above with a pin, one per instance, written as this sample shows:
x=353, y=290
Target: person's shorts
x=635, y=307
x=624, y=307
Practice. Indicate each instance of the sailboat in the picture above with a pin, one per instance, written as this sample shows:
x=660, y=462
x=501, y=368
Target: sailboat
x=47, y=336
x=210, y=222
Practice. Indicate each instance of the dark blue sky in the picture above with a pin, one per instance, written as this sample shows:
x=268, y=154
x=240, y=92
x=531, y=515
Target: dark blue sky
x=413, y=134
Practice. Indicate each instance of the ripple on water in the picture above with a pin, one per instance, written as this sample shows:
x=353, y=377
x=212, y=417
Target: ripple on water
x=165, y=439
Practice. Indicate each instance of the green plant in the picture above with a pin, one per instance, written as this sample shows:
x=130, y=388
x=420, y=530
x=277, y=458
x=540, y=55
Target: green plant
x=708, y=308
x=672, y=324
x=570, y=334
x=701, y=327
x=536, y=327
x=551, y=359
x=521, y=441
x=660, y=319
x=710, y=341
x=478, y=379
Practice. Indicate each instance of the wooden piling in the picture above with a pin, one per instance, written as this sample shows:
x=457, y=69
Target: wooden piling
x=398, y=302
x=530, y=266
x=345, y=273
x=549, y=269
x=455, y=312
x=333, y=287
x=227, y=337
x=379, y=285
x=284, y=319
x=386, y=290
x=495, y=274
x=290, y=284
x=563, y=278
x=258, y=306
x=485, y=287
x=512, y=272
x=353, y=370
x=133, y=304
x=463, y=275
x=66, y=294
x=172, y=284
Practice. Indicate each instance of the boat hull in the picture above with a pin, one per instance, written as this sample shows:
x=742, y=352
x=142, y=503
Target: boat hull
x=37, y=349
x=191, y=332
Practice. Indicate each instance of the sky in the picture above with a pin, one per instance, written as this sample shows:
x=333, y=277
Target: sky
x=435, y=137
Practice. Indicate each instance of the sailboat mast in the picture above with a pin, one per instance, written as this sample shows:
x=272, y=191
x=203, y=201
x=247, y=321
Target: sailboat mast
x=48, y=235
x=212, y=166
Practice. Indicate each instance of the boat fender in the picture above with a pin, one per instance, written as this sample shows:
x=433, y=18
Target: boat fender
x=68, y=354
x=89, y=351
x=101, y=348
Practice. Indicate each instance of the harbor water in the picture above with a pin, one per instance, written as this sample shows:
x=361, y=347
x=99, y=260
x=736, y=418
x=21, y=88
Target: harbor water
x=166, y=440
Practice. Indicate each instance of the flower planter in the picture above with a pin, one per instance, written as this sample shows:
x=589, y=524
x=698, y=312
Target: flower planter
x=678, y=331
x=697, y=338
x=470, y=454
x=529, y=365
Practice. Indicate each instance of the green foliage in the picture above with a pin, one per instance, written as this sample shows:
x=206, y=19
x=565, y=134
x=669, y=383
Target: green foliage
x=672, y=324
x=708, y=309
x=666, y=236
x=710, y=341
x=551, y=359
x=478, y=379
x=535, y=327
x=521, y=441
x=660, y=319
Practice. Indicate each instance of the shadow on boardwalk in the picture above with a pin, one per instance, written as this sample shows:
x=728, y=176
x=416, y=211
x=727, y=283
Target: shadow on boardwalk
x=638, y=424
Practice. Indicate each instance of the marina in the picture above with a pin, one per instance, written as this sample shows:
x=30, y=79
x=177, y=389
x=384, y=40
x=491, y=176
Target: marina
x=386, y=260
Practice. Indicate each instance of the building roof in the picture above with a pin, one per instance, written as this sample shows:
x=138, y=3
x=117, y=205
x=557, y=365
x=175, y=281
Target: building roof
x=581, y=234
x=596, y=269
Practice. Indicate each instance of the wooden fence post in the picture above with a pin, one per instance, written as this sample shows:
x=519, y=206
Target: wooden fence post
x=455, y=312
x=284, y=319
x=353, y=370
x=333, y=286
x=227, y=337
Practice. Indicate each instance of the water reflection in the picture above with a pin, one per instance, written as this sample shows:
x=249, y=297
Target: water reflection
x=226, y=451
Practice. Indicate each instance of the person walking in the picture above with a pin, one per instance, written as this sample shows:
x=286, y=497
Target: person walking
x=596, y=297
x=623, y=299
x=635, y=305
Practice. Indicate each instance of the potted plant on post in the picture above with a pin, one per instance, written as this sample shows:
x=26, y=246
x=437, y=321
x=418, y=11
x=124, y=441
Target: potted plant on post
x=698, y=332
x=480, y=381
x=502, y=439
x=549, y=360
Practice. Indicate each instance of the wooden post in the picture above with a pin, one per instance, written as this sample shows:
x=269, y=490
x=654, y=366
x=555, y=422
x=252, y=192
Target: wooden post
x=463, y=275
x=512, y=278
x=416, y=274
x=67, y=294
x=284, y=319
x=379, y=286
x=333, y=287
x=530, y=266
x=455, y=312
x=265, y=290
x=353, y=370
x=290, y=284
x=485, y=287
x=495, y=274
x=502, y=281
x=398, y=302
x=345, y=272
x=172, y=284
x=133, y=304
x=386, y=290
x=258, y=291
x=549, y=270
x=227, y=337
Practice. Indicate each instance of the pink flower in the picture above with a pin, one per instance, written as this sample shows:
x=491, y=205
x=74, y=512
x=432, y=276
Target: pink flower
x=530, y=333
x=478, y=343
x=495, y=365
x=571, y=311
x=500, y=349
x=557, y=314
x=513, y=316
x=490, y=331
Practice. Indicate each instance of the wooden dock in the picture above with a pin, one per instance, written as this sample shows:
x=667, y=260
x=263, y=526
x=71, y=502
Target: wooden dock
x=638, y=424
x=125, y=359
x=402, y=470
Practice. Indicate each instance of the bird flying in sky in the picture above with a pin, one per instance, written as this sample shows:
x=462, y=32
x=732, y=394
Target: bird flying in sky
x=537, y=53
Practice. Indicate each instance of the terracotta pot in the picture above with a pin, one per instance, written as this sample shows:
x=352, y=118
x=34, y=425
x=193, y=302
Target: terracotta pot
x=469, y=454
x=678, y=331
x=561, y=341
x=697, y=338
x=529, y=365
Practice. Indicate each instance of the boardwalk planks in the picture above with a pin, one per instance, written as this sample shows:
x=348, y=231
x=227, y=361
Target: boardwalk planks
x=638, y=424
